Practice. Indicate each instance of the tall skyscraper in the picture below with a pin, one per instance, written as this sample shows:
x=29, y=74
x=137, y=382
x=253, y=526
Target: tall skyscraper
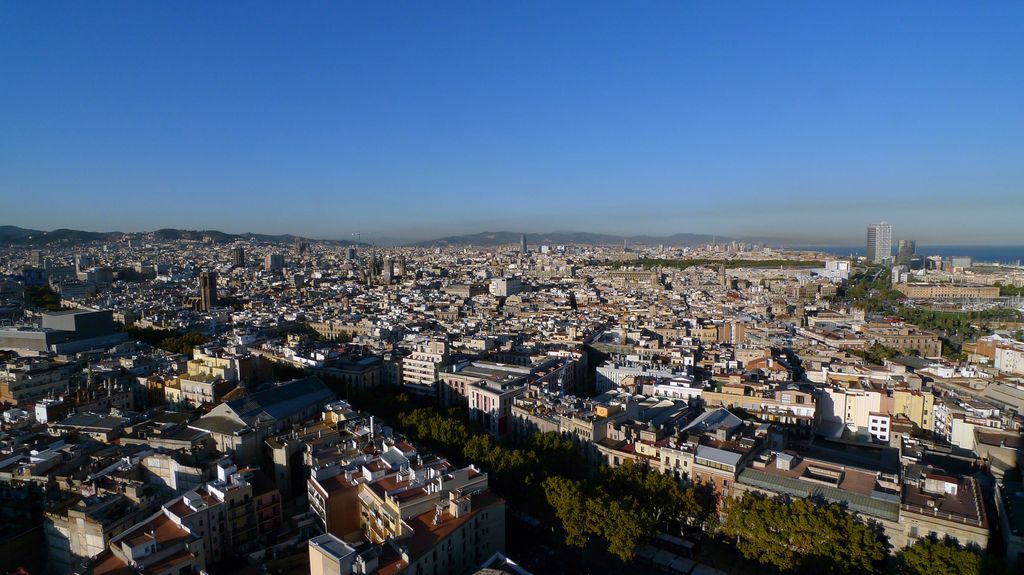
x=83, y=262
x=906, y=252
x=208, y=290
x=274, y=262
x=522, y=244
x=238, y=257
x=879, y=242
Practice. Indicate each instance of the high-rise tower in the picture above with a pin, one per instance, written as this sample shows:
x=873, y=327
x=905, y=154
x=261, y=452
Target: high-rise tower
x=238, y=257
x=274, y=262
x=879, y=242
x=906, y=252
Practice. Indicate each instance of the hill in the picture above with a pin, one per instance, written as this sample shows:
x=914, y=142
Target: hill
x=24, y=236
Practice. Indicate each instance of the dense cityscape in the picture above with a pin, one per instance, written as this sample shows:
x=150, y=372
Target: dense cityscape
x=185, y=402
x=511, y=288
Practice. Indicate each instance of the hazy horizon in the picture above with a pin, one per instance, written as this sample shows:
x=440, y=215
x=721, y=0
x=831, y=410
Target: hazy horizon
x=802, y=121
x=390, y=238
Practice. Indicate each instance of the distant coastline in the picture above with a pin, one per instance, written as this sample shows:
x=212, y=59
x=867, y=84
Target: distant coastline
x=986, y=254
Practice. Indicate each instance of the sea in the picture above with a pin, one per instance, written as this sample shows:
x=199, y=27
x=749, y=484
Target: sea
x=1007, y=255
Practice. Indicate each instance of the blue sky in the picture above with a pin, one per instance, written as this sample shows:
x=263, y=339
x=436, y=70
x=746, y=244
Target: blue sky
x=419, y=119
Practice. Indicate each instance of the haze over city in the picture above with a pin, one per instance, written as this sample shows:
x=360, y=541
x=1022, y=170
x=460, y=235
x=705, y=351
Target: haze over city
x=801, y=121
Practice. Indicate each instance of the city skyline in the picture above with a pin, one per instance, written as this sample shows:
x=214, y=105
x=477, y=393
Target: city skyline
x=803, y=121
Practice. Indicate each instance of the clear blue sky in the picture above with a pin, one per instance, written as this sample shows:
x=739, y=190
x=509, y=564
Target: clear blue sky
x=419, y=119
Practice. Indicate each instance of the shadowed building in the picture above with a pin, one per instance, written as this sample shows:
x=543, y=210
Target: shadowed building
x=207, y=291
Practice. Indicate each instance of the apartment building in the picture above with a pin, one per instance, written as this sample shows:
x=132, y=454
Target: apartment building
x=421, y=369
x=82, y=529
x=722, y=444
x=455, y=537
x=916, y=405
x=782, y=403
x=939, y=504
x=457, y=379
x=26, y=380
x=421, y=512
x=239, y=427
x=585, y=421
x=1009, y=357
x=160, y=545
x=491, y=406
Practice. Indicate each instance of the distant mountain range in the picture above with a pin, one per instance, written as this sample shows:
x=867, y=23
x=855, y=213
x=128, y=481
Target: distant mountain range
x=16, y=235
x=487, y=239
x=23, y=236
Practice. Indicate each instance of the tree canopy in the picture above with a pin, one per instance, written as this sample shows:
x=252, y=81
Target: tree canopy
x=43, y=296
x=626, y=507
x=931, y=556
x=802, y=535
x=167, y=339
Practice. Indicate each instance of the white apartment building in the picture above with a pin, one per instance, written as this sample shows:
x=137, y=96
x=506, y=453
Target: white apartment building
x=879, y=425
x=422, y=366
x=1010, y=357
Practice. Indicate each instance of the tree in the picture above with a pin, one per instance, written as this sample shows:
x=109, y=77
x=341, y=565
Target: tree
x=626, y=480
x=878, y=353
x=666, y=502
x=755, y=524
x=699, y=504
x=559, y=455
x=625, y=507
x=931, y=556
x=802, y=535
x=622, y=522
x=479, y=448
x=566, y=497
x=43, y=296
